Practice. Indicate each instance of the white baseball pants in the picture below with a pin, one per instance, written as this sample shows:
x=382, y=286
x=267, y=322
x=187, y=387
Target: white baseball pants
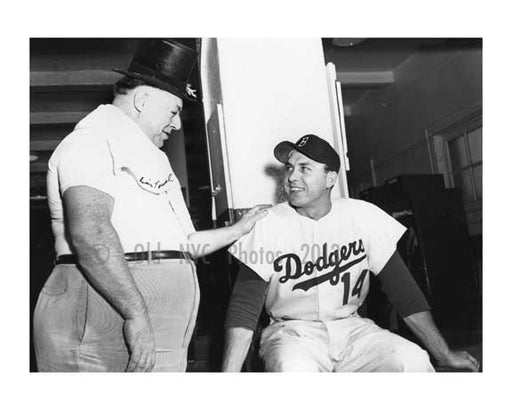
x=351, y=344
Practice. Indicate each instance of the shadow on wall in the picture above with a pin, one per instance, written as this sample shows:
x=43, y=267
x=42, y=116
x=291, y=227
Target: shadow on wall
x=277, y=173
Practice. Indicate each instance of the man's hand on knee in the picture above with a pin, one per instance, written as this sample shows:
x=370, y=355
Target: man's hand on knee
x=460, y=360
x=141, y=344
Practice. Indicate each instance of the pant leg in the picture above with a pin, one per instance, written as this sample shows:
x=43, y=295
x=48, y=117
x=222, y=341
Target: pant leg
x=171, y=293
x=67, y=312
x=75, y=329
x=370, y=348
x=295, y=346
x=173, y=316
x=59, y=319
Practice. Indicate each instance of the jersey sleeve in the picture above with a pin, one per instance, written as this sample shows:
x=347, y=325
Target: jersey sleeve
x=255, y=249
x=84, y=160
x=401, y=288
x=381, y=233
x=247, y=300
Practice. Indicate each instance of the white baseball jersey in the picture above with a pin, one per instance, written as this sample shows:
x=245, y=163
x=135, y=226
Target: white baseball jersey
x=319, y=269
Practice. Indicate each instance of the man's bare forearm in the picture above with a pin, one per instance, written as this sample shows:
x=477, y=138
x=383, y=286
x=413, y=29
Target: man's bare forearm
x=237, y=343
x=205, y=242
x=99, y=250
x=102, y=258
x=422, y=324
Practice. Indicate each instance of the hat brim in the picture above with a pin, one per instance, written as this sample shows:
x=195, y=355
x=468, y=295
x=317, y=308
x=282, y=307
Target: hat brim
x=156, y=82
x=283, y=149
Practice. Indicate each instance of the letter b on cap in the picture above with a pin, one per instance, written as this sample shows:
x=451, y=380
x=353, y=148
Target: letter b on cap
x=303, y=141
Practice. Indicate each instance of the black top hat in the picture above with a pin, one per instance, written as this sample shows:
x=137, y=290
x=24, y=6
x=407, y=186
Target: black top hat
x=164, y=64
x=312, y=147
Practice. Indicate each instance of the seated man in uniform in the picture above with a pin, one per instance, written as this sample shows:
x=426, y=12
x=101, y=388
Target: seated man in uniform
x=309, y=263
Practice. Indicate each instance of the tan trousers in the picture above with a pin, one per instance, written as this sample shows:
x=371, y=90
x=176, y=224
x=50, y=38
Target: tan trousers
x=76, y=330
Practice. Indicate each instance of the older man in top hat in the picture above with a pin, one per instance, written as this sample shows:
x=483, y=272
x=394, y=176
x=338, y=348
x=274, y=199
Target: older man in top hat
x=123, y=295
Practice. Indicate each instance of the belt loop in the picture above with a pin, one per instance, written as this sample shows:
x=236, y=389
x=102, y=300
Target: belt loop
x=150, y=255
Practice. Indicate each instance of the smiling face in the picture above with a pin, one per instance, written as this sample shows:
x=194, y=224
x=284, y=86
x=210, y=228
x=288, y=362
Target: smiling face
x=158, y=113
x=308, y=185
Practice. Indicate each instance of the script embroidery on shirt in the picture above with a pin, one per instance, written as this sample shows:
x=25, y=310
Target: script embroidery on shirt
x=154, y=186
x=293, y=268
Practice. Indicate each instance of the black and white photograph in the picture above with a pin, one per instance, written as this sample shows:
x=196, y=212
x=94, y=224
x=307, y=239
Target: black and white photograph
x=212, y=205
x=277, y=205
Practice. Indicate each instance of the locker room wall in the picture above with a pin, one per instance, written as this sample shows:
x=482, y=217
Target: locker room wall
x=388, y=125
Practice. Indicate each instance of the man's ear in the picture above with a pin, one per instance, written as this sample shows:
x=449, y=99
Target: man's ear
x=332, y=176
x=140, y=97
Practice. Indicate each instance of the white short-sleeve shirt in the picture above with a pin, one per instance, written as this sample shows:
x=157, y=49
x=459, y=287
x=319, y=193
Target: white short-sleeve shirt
x=319, y=269
x=109, y=152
